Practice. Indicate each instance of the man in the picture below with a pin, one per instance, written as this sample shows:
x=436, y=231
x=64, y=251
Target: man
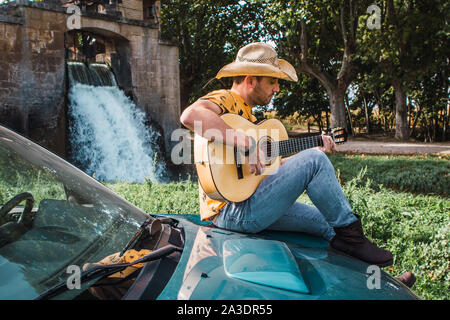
x=273, y=206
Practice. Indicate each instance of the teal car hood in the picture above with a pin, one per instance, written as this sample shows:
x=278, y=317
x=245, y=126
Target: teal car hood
x=219, y=264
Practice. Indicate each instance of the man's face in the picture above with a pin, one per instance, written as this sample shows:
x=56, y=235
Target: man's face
x=264, y=90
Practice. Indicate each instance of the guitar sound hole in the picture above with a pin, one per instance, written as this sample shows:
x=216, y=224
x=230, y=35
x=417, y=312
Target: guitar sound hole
x=265, y=145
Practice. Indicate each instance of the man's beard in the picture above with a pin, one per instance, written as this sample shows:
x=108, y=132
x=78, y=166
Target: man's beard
x=262, y=100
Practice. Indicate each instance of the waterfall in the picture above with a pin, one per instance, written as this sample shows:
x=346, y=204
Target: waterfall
x=97, y=74
x=104, y=76
x=79, y=73
x=108, y=134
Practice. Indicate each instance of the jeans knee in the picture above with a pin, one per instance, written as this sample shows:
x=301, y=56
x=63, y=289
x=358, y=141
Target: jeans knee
x=318, y=159
x=316, y=155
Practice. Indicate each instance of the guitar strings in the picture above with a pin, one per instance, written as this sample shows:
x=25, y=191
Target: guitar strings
x=287, y=147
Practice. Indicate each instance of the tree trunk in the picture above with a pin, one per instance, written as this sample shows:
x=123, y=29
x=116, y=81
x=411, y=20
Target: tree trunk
x=435, y=125
x=401, y=112
x=386, y=123
x=319, y=122
x=367, y=114
x=337, y=108
x=444, y=127
x=419, y=112
x=335, y=85
x=349, y=116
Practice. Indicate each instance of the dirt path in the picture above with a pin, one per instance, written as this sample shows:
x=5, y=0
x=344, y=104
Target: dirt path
x=393, y=147
x=388, y=145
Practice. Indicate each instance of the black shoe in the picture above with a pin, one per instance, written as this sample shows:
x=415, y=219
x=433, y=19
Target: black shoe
x=351, y=241
x=408, y=279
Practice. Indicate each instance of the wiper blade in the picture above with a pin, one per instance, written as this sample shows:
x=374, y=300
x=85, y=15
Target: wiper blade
x=137, y=235
x=101, y=271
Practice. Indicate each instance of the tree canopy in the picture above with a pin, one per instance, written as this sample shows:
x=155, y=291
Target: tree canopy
x=388, y=56
x=209, y=33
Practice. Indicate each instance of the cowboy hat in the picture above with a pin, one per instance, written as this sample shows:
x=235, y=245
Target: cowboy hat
x=258, y=59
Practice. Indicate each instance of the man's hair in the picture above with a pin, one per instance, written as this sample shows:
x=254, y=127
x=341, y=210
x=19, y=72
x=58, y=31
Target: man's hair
x=239, y=79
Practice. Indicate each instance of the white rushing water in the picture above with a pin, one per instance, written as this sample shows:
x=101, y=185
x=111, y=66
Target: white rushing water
x=109, y=137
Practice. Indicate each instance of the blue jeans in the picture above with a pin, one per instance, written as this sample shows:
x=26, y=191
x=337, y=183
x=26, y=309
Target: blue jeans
x=274, y=204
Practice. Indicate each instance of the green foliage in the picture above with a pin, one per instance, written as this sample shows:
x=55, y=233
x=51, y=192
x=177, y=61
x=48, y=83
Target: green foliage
x=324, y=28
x=18, y=176
x=412, y=34
x=165, y=198
x=411, y=47
x=209, y=33
x=321, y=40
x=426, y=174
x=431, y=98
x=415, y=228
x=410, y=51
x=307, y=97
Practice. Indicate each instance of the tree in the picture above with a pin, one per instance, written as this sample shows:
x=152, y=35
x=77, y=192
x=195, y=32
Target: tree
x=407, y=47
x=320, y=38
x=431, y=98
x=209, y=33
x=307, y=97
x=330, y=42
x=371, y=89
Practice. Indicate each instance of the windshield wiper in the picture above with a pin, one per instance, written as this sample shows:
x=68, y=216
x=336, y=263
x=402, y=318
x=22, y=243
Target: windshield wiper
x=137, y=235
x=152, y=226
x=101, y=271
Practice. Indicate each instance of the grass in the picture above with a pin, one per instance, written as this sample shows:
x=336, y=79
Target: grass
x=17, y=176
x=409, y=217
x=415, y=228
x=427, y=174
x=403, y=202
x=166, y=198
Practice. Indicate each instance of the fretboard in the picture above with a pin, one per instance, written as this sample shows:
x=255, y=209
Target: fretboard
x=291, y=146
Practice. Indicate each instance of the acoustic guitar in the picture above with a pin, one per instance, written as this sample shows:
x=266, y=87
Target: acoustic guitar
x=223, y=173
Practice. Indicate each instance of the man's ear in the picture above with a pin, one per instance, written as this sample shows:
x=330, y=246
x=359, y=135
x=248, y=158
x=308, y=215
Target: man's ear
x=251, y=81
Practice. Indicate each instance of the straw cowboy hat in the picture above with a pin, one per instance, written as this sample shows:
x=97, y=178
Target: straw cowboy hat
x=258, y=59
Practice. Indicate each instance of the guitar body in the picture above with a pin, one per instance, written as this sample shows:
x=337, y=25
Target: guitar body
x=224, y=176
x=215, y=162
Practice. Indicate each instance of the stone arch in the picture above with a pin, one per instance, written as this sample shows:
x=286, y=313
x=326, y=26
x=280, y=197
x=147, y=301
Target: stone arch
x=94, y=44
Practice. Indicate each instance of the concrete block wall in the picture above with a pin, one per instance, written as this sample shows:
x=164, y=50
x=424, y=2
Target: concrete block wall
x=32, y=87
x=131, y=9
x=32, y=72
x=136, y=9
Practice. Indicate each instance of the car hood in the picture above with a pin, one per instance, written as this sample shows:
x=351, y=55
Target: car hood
x=219, y=264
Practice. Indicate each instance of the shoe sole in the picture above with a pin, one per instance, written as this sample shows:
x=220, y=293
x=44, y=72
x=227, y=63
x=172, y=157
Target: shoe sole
x=381, y=265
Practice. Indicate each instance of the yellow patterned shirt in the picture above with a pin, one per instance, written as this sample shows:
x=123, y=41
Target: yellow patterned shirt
x=229, y=102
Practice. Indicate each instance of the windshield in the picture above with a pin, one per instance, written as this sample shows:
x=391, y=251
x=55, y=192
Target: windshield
x=53, y=218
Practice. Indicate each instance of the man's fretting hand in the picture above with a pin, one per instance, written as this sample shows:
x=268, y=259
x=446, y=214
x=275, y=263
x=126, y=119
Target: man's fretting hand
x=328, y=144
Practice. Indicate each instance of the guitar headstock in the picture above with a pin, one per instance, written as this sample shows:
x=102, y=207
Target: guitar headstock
x=338, y=134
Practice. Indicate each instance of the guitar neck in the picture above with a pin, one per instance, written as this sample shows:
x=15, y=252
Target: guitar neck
x=291, y=146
